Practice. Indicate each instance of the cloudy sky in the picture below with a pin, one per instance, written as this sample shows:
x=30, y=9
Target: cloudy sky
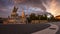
x=29, y=6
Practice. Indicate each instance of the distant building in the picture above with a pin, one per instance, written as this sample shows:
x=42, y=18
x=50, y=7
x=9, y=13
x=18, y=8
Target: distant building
x=15, y=19
x=57, y=17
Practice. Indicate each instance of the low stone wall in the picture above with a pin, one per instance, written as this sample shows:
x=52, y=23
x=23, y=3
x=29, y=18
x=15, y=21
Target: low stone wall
x=38, y=21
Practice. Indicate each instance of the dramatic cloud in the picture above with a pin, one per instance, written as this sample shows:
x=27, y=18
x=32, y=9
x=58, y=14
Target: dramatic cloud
x=53, y=7
x=29, y=6
x=27, y=1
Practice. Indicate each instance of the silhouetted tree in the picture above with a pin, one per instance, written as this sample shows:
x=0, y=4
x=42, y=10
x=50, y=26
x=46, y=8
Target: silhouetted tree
x=1, y=20
x=28, y=19
x=33, y=16
x=41, y=17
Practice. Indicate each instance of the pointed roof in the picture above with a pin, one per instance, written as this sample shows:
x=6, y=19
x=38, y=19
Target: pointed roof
x=15, y=9
x=23, y=14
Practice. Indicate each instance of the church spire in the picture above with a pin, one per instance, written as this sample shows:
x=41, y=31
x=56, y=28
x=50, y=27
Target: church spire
x=23, y=17
x=23, y=14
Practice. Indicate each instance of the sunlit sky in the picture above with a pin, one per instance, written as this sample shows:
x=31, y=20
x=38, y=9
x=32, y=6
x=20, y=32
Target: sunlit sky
x=30, y=6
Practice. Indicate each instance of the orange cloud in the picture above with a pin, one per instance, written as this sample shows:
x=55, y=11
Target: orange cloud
x=18, y=1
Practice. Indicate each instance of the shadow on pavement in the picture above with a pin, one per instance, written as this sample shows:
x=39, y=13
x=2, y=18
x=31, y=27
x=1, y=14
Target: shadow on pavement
x=22, y=28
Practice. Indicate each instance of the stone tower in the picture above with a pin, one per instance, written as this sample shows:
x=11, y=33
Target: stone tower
x=23, y=17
